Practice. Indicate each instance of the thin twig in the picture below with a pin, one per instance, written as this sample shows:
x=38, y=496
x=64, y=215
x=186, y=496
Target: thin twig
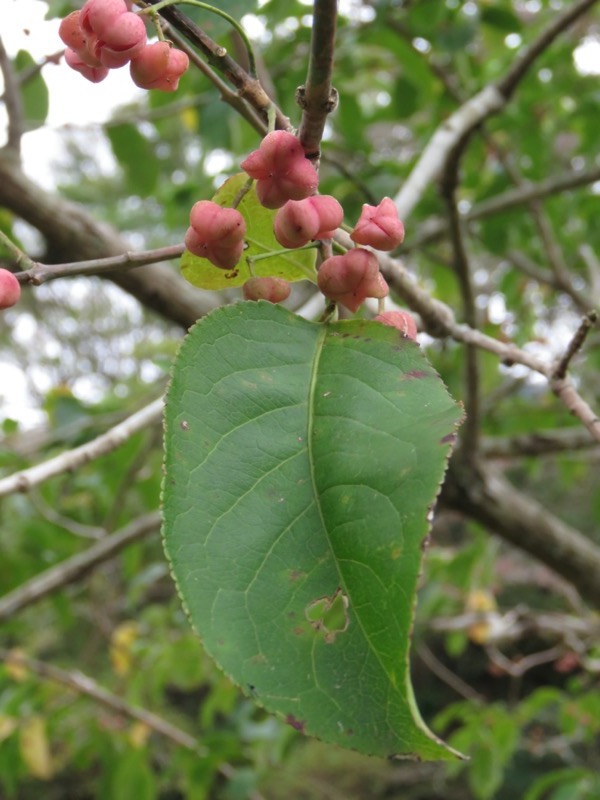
x=40, y=273
x=448, y=677
x=575, y=345
x=518, y=668
x=83, y=684
x=228, y=96
x=470, y=430
x=558, y=281
x=70, y=460
x=77, y=567
x=317, y=98
x=249, y=89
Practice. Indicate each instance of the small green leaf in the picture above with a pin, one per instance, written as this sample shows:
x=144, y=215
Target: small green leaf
x=500, y=18
x=406, y=97
x=136, y=157
x=294, y=265
x=34, y=92
x=302, y=461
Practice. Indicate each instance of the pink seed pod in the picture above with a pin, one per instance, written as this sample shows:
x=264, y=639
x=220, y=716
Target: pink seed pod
x=379, y=226
x=95, y=74
x=98, y=15
x=215, y=224
x=275, y=290
x=10, y=289
x=222, y=256
x=299, y=221
x=276, y=152
x=281, y=170
x=121, y=41
x=159, y=66
x=70, y=31
x=90, y=51
x=399, y=319
x=351, y=278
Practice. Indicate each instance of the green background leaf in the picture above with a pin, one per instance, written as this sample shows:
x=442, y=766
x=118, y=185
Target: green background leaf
x=136, y=157
x=301, y=464
x=34, y=92
x=293, y=266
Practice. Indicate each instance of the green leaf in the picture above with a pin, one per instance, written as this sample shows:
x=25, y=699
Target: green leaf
x=133, y=778
x=406, y=97
x=136, y=157
x=301, y=464
x=294, y=265
x=572, y=776
x=501, y=18
x=34, y=92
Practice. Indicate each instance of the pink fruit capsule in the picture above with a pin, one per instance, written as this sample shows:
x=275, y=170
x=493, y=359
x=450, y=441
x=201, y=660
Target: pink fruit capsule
x=299, y=221
x=281, y=170
x=159, y=66
x=379, y=226
x=10, y=289
x=351, y=278
x=275, y=290
x=215, y=224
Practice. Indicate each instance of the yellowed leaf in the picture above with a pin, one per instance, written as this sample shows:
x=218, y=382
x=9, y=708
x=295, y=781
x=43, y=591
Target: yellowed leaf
x=481, y=600
x=484, y=602
x=138, y=734
x=35, y=748
x=121, y=643
x=7, y=726
x=17, y=671
x=190, y=119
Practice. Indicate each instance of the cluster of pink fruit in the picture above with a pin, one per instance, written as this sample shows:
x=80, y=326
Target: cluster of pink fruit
x=106, y=35
x=286, y=180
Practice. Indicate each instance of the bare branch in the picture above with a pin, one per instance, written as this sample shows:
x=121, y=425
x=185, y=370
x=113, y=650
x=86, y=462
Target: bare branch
x=469, y=434
x=434, y=229
x=439, y=321
x=575, y=345
x=249, y=89
x=83, y=684
x=558, y=280
x=12, y=100
x=41, y=273
x=77, y=567
x=562, y=440
x=70, y=460
x=317, y=98
x=455, y=131
x=73, y=235
x=484, y=495
x=228, y=96
x=448, y=135
x=527, y=55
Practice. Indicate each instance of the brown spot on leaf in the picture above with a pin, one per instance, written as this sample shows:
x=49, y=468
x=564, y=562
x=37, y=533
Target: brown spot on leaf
x=297, y=724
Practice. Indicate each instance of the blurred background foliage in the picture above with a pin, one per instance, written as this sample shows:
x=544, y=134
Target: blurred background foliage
x=90, y=355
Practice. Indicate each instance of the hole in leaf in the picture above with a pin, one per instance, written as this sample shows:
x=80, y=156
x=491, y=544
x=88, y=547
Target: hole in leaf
x=329, y=615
